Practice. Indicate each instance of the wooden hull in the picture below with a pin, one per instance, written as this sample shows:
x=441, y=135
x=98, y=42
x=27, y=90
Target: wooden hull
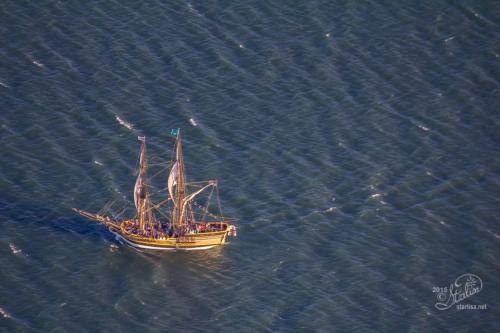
x=201, y=241
x=216, y=236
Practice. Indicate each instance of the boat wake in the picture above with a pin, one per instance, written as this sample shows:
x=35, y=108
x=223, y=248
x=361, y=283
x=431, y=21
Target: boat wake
x=113, y=248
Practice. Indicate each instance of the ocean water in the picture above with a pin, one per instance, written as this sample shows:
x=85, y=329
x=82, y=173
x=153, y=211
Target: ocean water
x=356, y=142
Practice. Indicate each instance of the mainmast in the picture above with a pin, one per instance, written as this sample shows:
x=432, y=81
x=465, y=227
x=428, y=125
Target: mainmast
x=182, y=211
x=178, y=220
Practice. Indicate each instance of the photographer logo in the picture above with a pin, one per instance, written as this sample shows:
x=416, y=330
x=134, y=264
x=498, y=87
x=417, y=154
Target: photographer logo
x=465, y=286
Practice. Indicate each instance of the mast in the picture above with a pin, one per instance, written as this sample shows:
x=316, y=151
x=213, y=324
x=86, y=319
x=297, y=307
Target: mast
x=180, y=190
x=142, y=199
x=182, y=211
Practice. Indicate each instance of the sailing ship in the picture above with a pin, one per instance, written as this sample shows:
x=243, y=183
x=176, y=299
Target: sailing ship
x=186, y=225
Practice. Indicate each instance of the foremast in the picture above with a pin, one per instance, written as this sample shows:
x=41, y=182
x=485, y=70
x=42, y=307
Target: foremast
x=142, y=199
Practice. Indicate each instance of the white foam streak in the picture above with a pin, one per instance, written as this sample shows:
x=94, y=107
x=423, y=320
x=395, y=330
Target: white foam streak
x=124, y=123
x=14, y=248
x=39, y=64
x=422, y=127
x=4, y=313
x=193, y=10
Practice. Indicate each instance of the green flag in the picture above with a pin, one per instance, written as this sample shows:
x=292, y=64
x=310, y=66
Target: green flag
x=175, y=131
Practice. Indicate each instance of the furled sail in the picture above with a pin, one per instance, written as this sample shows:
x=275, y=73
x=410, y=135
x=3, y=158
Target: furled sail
x=177, y=183
x=136, y=190
x=139, y=190
x=172, y=181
